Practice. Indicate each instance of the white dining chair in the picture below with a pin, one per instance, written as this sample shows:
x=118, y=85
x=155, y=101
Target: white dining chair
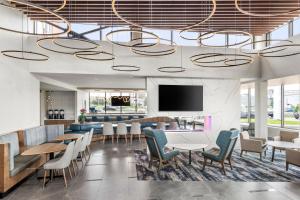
x=83, y=147
x=135, y=130
x=88, y=147
x=76, y=151
x=121, y=130
x=161, y=126
x=173, y=126
x=60, y=163
x=108, y=130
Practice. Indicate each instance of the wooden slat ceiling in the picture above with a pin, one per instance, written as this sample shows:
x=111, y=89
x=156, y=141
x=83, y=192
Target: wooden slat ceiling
x=174, y=14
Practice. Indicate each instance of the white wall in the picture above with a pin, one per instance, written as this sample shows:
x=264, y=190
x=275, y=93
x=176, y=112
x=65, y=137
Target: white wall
x=19, y=89
x=63, y=100
x=221, y=100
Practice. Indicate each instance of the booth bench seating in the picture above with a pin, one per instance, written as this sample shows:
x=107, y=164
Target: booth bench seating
x=14, y=167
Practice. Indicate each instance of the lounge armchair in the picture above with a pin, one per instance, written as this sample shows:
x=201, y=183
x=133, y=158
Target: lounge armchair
x=292, y=157
x=251, y=144
x=226, y=142
x=287, y=136
x=156, y=141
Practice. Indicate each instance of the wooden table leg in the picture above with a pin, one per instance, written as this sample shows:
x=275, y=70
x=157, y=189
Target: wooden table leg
x=190, y=157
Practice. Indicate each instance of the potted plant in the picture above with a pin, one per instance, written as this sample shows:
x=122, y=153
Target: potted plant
x=296, y=112
x=82, y=116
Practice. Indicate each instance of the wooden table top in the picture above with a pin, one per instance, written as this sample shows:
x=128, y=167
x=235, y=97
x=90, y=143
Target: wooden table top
x=68, y=137
x=44, y=149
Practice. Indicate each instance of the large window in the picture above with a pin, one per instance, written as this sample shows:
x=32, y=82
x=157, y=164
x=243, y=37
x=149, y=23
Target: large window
x=296, y=26
x=274, y=105
x=280, y=33
x=100, y=101
x=291, y=105
x=216, y=40
x=247, y=97
x=165, y=35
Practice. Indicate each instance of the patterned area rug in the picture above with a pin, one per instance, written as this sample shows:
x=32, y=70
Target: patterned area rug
x=248, y=169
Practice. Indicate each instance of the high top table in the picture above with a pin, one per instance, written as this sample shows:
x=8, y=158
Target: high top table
x=282, y=145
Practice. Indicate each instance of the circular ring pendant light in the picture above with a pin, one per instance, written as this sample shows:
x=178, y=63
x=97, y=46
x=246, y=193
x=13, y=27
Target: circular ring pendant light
x=268, y=54
x=126, y=68
x=213, y=7
x=225, y=58
x=205, y=36
x=265, y=42
x=87, y=55
x=155, y=37
x=143, y=52
x=171, y=69
x=24, y=55
x=66, y=49
x=34, y=6
x=237, y=2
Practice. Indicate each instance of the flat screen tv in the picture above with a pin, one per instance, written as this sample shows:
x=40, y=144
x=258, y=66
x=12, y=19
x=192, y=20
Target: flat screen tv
x=180, y=98
x=120, y=101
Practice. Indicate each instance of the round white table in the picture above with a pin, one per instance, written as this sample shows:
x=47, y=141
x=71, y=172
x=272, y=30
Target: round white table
x=282, y=145
x=188, y=147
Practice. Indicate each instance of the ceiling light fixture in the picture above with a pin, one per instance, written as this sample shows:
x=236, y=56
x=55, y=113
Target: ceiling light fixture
x=34, y=6
x=87, y=55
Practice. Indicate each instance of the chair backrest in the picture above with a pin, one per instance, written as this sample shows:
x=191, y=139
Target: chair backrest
x=135, y=128
x=121, y=129
x=156, y=141
x=161, y=126
x=77, y=147
x=108, y=128
x=234, y=137
x=84, y=142
x=53, y=131
x=173, y=126
x=14, y=149
x=65, y=160
x=35, y=136
x=245, y=135
x=288, y=136
x=90, y=136
x=226, y=141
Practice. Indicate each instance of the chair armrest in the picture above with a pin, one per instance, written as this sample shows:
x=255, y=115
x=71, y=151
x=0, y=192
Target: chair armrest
x=276, y=138
x=293, y=156
x=296, y=140
x=251, y=145
x=264, y=140
x=4, y=162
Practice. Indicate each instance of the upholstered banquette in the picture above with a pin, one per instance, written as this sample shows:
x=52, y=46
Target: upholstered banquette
x=14, y=167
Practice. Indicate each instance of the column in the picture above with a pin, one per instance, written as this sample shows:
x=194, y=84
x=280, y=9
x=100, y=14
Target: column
x=261, y=108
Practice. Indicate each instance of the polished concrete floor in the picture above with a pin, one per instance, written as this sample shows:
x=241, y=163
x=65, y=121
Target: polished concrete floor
x=110, y=175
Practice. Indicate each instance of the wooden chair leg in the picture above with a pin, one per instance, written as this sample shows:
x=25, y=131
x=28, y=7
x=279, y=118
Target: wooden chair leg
x=140, y=138
x=286, y=166
x=65, y=178
x=126, y=139
x=229, y=161
x=223, y=168
x=104, y=139
x=260, y=156
x=211, y=162
x=70, y=172
x=85, y=157
x=241, y=153
x=117, y=139
x=204, y=164
x=45, y=174
x=131, y=136
x=73, y=166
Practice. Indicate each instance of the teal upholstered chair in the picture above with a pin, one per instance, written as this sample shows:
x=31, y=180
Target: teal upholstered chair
x=226, y=142
x=156, y=141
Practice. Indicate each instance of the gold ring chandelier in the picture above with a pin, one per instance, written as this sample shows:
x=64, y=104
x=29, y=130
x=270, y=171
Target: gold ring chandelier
x=154, y=36
x=24, y=55
x=237, y=5
x=225, y=60
x=214, y=7
x=89, y=55
x=143, y=52
x=205, y=36
x=71, y=50
x=34, y=6
x=264, y=42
